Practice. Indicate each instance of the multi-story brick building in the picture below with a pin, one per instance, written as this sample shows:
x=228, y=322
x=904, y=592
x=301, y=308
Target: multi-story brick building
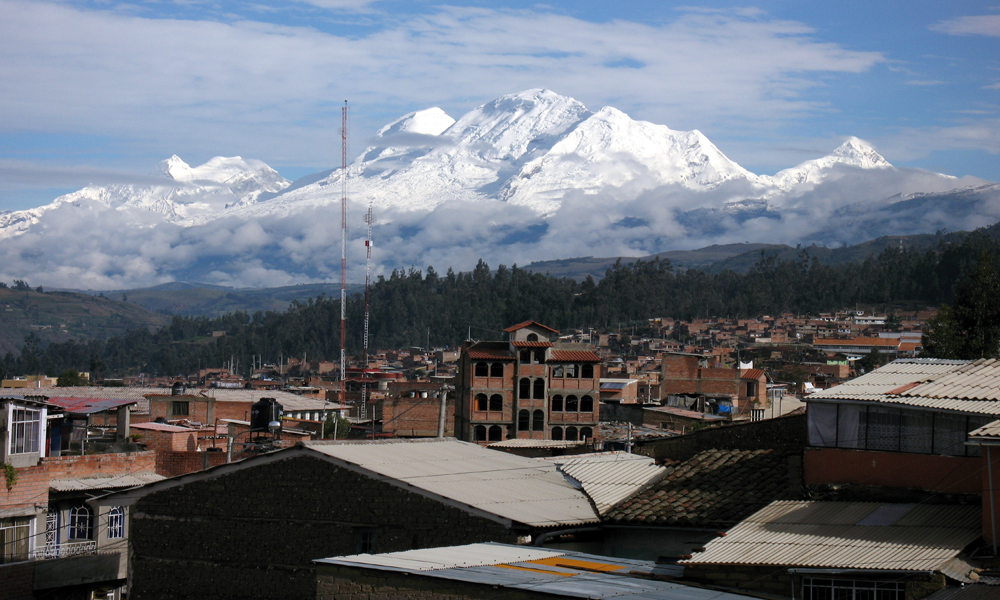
x=734, y=391
x=528, y=387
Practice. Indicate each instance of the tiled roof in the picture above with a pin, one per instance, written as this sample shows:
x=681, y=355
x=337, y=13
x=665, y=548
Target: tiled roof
x=527, y=324
x=716, y=488
x=526, y=344
x=574, y=356
x=752, y=374
x=490, y=351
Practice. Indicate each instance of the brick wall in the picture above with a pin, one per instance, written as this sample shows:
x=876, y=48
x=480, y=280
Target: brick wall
x=17, y=581
x=253, y=532
x=172, y=464
x=99, y=465
x=336, y=582
x=785, y=434
x=31, y=488
x=417, y=416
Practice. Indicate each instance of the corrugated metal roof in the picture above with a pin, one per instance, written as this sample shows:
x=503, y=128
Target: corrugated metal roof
x=523, y=490
x=137, y=394
x=616, y=385
x=964, y=386
x=574, y=356
x=987, y=433
x=103, y=483
x=523, y=443
x=610, y=477
x=86, y=406
x=830, y=535
x=540, y=570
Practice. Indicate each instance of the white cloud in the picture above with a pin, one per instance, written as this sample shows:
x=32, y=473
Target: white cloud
x=251, y=88
x=970, y=25
x=983, y=134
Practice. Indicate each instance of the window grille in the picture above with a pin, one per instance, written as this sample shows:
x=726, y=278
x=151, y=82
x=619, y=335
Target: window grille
x=847, y=589
x=80, y=522
x=116, y=523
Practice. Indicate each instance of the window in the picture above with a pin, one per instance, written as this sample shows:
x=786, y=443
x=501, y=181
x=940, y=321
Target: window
x=557, y=433
x=479, y=433
x=572, y=404
x=496, y=402
x=26, y=428
x=540, y=356
x=523, y=420
x=482, y=369
x=586, y=404
x=557, y=403
x=116, y=523
x=532, y=337
x=15, y=537
x=496, y=370
x=751, y=389
x=538, y=421
x=571, y=434
x=572, y=371
x=496, y=434
x=539, y=389
x=524, y=388
x=481, y=402
x=587, y=372
x=525, y=356
x=586, y=433
x=846, y=589
x=558, y=371
x=80, y=522
x=179, y=409
x=364, y=541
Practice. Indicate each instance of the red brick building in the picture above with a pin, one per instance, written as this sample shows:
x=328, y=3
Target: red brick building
x=527, y=387
x=702, y=378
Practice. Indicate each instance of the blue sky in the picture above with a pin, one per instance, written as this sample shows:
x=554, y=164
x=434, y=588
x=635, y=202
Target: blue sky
x=97, y=91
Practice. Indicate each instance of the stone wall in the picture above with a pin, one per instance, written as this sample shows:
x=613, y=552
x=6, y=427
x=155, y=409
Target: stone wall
x=784, y=434
x=253, y=532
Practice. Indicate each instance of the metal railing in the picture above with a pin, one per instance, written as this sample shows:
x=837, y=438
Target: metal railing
x=65, y=549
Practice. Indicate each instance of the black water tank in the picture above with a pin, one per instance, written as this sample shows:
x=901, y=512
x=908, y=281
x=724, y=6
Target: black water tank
x=263, y=412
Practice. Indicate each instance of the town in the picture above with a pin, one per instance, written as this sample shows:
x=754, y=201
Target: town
x=786, y=456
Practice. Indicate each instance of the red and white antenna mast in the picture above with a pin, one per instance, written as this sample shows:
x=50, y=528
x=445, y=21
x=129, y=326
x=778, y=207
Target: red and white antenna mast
x=368, y=282
x=343, y=257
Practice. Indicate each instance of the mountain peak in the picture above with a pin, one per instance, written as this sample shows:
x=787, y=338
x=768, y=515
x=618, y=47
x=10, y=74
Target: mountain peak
x=860, y=153
x=431, y=121
x=174, y=168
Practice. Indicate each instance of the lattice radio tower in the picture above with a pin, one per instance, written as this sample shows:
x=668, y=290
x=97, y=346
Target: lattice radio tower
x=368, y=281
x=343, y=259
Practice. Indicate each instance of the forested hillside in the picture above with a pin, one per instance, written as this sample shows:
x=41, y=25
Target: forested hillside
x=408, y=308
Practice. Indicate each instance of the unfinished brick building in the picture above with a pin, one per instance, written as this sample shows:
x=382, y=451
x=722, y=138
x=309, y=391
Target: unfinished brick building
x=706, y=386
x=528, y=387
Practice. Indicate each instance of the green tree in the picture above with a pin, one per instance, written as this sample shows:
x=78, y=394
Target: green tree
x=71, y=378
x=870, y=361
x=970, y=328
x=343, y=427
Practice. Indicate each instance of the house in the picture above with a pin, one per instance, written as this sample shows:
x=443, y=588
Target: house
x=251, y=528
x=490, y=571
x=527, y=388
x=817, y=549
x=709, y=387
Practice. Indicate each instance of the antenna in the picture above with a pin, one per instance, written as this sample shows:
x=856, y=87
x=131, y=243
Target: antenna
x=368, y=279
x=343, y=254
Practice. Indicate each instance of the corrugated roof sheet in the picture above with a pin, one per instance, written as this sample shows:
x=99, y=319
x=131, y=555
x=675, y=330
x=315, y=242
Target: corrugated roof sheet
x=166, y=427
x=828, y=535
x=523, y=443
x=988, y=432
x=137, y=394
x=614, y=385
x=868, y=341
x=574, y=356
x=86, y=406
x=538, y=570
x=609, y=477
x=523, y=490
x=103, y=483
x=964, y=386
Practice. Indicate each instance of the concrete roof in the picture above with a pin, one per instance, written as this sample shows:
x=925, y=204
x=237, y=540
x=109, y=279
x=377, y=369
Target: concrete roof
x=848, y=535
x=539, y=570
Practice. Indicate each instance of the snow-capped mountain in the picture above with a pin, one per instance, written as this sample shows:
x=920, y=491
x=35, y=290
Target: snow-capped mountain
x=528, y=176
x=186, y=192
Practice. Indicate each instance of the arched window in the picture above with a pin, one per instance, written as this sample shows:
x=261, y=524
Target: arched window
x=587, y=372
x=558, y=371
x=481, y=402
x=496, y=434
x=539, y=389
x=482, y=369
x=116, y=523
x=586, y=433
x=524, y=389
x=538, y=421
x=557, y=403
x=496, y=370
x=557, y=433
x=496, y=402
x=80, y=522
x=523, y=420
x=586, y=404
x=572, y=371
x=525, y=356
x=532, y=337
x=572, y=404
x=479, y=433
x=571, y=434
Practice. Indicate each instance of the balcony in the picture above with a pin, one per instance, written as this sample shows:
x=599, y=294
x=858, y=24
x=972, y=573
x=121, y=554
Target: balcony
x=78, y=563
x=63, y=550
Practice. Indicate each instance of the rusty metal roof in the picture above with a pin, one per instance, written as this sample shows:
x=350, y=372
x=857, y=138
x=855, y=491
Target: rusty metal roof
x=848, y=535
x=574, y=356
x=87, y=406
x=963, y=386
